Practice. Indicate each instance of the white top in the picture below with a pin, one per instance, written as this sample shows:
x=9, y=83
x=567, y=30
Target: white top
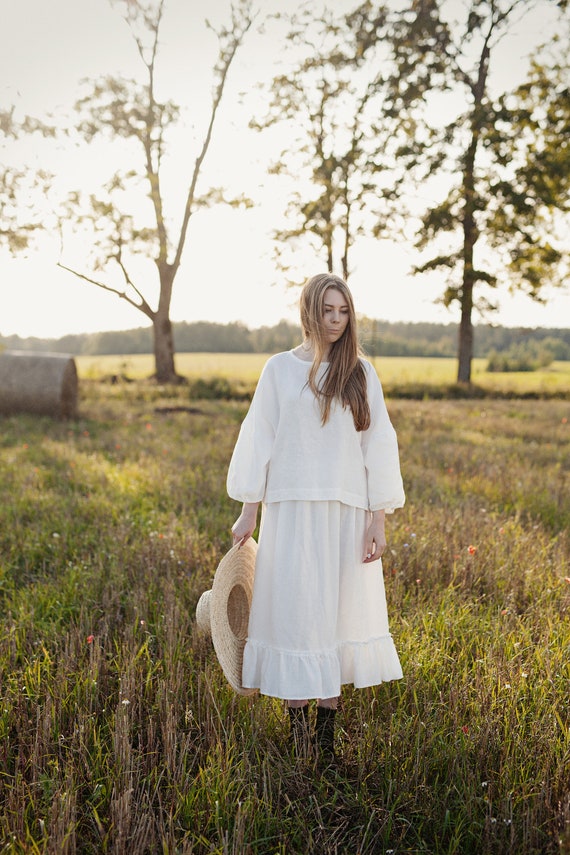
x=283, y=452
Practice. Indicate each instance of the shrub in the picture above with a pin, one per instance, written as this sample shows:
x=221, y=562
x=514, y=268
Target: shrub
x=219, y=389
x=521, y=357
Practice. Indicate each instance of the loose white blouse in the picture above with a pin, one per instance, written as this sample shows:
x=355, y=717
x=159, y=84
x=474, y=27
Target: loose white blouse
x=284, y=452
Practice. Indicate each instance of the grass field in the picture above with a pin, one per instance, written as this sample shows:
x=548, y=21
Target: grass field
x=397, y=373
x=118, y=733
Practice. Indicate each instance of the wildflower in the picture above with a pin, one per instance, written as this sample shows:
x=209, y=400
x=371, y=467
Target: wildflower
x=125, y=702
x=90, y=639
x=504, y=611
x=465, y=729
x=148, y=426
x=471, y=549
x=418, y=581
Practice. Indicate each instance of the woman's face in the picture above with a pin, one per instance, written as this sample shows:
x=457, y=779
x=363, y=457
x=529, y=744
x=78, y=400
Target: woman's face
x=336, y=314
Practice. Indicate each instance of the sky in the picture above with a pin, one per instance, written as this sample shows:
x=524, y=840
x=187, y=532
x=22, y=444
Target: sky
x=228, y=271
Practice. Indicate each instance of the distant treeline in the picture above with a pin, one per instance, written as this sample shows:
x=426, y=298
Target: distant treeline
x=379, y=338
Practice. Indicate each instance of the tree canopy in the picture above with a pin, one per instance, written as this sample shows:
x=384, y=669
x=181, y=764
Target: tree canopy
x=121, y=228
x=358, y=105
x=389, y=117
x=19, y=218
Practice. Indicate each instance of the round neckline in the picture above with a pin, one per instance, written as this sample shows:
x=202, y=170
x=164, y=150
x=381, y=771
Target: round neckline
x=304, y=361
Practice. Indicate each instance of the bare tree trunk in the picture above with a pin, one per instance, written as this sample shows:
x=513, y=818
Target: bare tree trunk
x=164, y=349
x=330, y=261
x=346, y=229
x=465, y=343
x=162, y=326
x=470, y=230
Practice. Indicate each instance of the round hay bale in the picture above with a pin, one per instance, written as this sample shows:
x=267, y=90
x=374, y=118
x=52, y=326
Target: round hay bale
x=39, y=383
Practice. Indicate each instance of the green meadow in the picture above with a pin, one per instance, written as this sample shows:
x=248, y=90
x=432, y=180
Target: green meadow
x=118, y=733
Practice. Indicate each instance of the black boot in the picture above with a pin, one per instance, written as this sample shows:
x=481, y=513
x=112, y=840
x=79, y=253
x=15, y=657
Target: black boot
x=299, y=739
x=324, y=735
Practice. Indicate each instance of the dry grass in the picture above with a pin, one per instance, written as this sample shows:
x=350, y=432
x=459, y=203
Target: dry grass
x=117, y=731
x=422, y=376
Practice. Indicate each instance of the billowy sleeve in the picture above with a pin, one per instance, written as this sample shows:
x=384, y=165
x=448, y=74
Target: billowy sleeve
x=247, y=473
x=380, y=451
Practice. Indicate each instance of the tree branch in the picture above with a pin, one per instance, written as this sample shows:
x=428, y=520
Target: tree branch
x=153, y=169
x=226, y=56
x=143, y=306
x=128, y=280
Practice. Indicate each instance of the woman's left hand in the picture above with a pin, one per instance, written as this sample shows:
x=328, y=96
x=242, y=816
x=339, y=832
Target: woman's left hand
x=245, y=524
x=375, y=541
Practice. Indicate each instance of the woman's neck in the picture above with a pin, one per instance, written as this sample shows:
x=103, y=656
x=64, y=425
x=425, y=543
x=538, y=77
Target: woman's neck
x=306, y=351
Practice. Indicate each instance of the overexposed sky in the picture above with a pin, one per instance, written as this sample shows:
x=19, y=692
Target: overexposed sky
x=228, y=272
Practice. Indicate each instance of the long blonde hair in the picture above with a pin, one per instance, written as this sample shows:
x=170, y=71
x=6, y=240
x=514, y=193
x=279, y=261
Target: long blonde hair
x=344, y=379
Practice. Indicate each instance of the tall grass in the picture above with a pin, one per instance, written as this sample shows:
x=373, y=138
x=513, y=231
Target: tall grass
x=118, y=733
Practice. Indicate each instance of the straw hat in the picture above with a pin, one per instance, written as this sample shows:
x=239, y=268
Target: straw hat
x=223, y=612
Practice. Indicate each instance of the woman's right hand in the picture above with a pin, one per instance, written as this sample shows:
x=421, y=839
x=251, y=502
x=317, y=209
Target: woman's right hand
x=245, y=524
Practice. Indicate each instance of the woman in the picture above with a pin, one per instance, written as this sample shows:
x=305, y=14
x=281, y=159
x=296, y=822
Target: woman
x=318, y=450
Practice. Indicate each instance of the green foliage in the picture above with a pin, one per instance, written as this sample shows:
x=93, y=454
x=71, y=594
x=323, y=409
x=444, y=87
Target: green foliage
x=117, y=730
x=346, y=123
x=220, y=388
x=530, y=141
x=20, y=220
x=524, y=357
x=379, y=338
x=509, y=159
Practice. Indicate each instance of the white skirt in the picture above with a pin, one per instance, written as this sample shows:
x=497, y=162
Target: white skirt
x=318, y=617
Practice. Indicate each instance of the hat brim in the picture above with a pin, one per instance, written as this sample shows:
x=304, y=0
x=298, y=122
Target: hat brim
x=229, y=607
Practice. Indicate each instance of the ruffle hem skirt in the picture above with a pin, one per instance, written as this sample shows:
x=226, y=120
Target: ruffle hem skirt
x=318, y=617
